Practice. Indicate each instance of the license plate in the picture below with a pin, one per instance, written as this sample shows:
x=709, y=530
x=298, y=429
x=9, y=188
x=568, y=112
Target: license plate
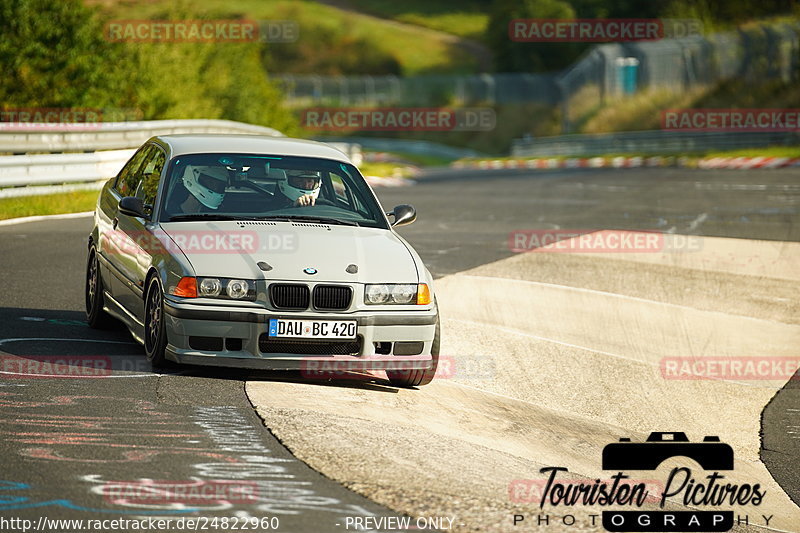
x=312, y=329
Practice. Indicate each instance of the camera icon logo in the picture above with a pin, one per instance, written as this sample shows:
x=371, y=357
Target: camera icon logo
x=711, y=453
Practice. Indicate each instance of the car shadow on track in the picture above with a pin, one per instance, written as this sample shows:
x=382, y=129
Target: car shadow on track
x=349, y=380
x=59, y=343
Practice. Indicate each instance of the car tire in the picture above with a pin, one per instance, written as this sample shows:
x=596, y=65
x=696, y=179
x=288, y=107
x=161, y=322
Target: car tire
x=418, y=376
x=96, y=317
x=155, y=331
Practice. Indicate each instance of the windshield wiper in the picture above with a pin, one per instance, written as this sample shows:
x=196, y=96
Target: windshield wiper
x=307, y=218
x=208, y=216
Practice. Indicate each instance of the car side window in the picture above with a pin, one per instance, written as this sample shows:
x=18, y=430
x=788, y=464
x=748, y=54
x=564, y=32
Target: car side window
x=151, y=175
x=127, y=179
x=339, y=189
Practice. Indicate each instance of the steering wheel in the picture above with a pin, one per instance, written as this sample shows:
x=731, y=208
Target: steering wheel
x=324, y=201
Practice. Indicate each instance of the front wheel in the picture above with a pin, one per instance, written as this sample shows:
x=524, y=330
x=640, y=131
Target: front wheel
x=96, y=317
x=155, y=334
x=418, y=376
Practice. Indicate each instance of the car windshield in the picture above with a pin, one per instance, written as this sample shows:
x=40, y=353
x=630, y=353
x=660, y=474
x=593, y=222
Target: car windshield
x=250, y=186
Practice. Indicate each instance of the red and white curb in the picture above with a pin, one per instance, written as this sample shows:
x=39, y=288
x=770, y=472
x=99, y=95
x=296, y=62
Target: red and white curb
x=377, y=181
x=633, y=162
x=749, y=162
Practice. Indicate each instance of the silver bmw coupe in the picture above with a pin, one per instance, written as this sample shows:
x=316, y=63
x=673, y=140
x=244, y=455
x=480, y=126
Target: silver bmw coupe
x=260, y=252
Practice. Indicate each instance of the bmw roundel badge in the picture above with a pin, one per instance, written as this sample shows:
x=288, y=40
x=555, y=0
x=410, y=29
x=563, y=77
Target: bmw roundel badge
x=310, y=271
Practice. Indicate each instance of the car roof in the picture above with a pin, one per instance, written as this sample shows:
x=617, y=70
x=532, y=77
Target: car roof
x=248, y=144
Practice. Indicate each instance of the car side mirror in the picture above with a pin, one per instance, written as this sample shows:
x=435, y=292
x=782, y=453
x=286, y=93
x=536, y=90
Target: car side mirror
x=403, y=214
x=132, y=206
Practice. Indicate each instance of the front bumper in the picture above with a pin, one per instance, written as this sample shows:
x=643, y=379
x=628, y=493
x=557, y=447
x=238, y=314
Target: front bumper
x=246, y=326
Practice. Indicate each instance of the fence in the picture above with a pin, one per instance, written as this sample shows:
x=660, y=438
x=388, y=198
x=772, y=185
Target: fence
x=760, y=52
x=757, y=53
x=486, y=89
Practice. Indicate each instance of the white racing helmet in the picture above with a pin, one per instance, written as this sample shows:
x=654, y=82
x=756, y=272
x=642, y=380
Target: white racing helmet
x=300, y=183
x=206, y=183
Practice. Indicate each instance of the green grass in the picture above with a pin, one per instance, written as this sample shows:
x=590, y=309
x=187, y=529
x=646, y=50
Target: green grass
x=467, y=25
x=422, y=160
x=642, y=111
x=415, y=51
x=771, y=151
x=384, y=169
x=50, y=204
x=462, y=18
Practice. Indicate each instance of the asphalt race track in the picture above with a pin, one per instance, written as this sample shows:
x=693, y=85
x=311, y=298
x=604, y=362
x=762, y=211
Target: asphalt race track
x=131, y=443
x=572, y=342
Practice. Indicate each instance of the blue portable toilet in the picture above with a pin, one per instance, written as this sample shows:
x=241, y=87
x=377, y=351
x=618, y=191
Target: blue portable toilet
x=627, y=74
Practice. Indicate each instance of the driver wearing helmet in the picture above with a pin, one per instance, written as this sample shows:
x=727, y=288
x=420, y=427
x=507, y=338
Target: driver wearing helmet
x=206, y=186
x=301, y=187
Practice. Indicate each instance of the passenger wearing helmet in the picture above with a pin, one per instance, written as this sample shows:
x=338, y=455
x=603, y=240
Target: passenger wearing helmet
x=301, y=187
x=206, y=186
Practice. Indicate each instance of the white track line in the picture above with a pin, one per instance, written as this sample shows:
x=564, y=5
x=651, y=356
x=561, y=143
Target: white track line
x=620, y=296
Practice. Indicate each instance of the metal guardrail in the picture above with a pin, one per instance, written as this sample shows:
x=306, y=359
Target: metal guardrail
x=47, y=169
x=112, y=135
x=110, y=145
x=649, y=142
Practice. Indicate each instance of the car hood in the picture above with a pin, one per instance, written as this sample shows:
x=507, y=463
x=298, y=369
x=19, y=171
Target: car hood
x=233, y=249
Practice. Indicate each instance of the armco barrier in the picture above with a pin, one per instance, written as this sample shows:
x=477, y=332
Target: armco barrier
x=649, y=142
x=113, y=135
x=48, y=169
x=109, y=145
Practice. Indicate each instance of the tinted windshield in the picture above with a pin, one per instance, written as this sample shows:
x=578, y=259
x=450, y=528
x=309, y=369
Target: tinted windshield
x=207, y=186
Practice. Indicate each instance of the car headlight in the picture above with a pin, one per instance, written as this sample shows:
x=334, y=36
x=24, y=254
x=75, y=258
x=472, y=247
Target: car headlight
x=237, y=289
x=234, y=289
x=376, y=294
x=403, y=294
x=210, y=287
x=396, y=293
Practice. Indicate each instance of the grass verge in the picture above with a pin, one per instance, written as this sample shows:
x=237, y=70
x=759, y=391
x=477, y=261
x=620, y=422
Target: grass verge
x=385, y=169
x=48, y=204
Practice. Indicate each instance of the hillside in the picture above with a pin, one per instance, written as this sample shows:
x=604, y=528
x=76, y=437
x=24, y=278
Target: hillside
x=331, y=40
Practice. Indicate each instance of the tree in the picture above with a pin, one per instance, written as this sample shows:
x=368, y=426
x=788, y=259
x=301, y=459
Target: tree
x=511, y=56
x=54, y=55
